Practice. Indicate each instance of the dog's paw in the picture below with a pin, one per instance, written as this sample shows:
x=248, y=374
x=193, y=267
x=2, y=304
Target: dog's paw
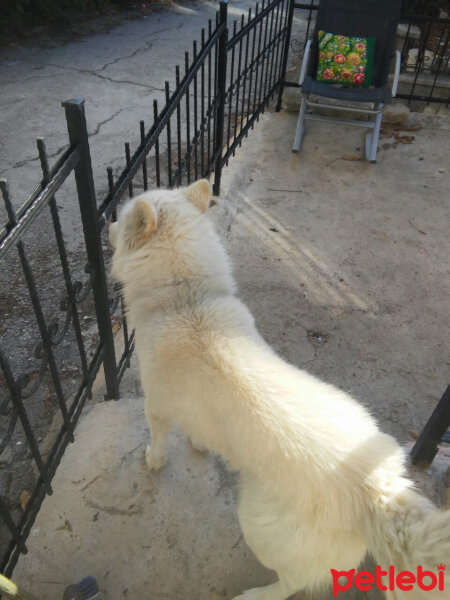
x=197, y=446
x=154, y=461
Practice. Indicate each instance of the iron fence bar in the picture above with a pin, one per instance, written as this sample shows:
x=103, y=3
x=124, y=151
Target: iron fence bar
x=17, y=400
x=124, y=360
x=179, y=168
x=285, y=53
x=63, y=257
x=34, y=297
x=278, y=29
x=252, y=62
x=188, y=122
x=6, y=516
x=125, y=327
x=426, y=447
x=144, y=163
x=420, y=59
x=278, y=41
x=247, y=43
x=230, y=89
x=441, y=59
x=311, y=8
x=128, y=162
x=34, y=208
x=203, y=106
x=109, y=171
x=221, y=76
x=169, y=140
x=208, y=112
x=157, y=167
x=238, y=86
x=78, y=136
x=261, y=90
x=196, y=130
x=284, y=32
x=257, y=63
x=214, y=100
x=267, y=49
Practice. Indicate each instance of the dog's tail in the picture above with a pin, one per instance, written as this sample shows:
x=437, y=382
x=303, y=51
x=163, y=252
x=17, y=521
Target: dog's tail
x=407, y=530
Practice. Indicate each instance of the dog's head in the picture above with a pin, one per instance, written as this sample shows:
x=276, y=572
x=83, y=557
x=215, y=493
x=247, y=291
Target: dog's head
x=163, y=237
x=138, y=221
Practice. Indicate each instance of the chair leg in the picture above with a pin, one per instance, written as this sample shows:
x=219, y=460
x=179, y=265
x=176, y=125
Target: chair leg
x=300, y=127
x=372, y=138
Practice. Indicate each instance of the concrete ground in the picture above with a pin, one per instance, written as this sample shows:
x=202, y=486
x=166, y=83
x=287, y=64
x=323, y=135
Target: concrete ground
x=345, y=266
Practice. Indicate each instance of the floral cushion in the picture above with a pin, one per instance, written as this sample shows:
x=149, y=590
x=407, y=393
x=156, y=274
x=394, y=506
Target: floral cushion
x=345, y=60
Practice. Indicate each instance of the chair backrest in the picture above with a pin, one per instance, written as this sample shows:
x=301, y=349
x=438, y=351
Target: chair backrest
x=360, y=18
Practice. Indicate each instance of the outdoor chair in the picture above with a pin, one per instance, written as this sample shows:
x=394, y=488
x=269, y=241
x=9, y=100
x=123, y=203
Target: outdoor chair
x=376, y=22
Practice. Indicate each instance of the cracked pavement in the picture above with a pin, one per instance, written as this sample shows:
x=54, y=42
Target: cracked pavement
x=118, y=73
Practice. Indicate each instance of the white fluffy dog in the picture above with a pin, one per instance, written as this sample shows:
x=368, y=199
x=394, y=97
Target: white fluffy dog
x=321, y=485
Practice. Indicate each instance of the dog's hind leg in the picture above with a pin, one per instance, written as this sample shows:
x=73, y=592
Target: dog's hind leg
x=156, y=453
x=275, y=591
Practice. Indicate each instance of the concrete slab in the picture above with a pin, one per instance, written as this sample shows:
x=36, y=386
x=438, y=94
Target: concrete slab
x=345, y=267
x=169, y=535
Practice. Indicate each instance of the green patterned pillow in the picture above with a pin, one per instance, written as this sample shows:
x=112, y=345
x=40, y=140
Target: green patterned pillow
x=345, y=60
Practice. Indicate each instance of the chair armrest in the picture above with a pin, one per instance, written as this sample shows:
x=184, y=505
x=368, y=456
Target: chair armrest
x=305, y=62
x=398, y=60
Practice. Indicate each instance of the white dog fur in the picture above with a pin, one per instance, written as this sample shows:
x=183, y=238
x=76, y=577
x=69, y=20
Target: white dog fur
x=321, y=485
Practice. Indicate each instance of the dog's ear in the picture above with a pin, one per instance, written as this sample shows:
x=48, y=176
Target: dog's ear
x=113, y=232
x=199, y=194
x=140, y=223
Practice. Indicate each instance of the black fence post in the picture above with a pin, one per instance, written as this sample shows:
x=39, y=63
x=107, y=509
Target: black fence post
x=78, y=136
x=221, y=92
x=426, y=447
x=287, y=44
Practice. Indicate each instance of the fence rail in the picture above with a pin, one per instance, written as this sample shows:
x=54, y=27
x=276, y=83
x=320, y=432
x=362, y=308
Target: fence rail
x=227, y=81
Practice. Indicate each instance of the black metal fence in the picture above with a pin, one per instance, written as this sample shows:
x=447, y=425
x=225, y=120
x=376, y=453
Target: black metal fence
x=22, y=394
x=423, y=39
x=226, y=82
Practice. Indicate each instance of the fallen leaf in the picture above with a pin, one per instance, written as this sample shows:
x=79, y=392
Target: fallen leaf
x=405, y=139
x=67, y=526
x=49, y=400
x=116, y=324
x=400, y=127
x=24, y=497
x=352, y=157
